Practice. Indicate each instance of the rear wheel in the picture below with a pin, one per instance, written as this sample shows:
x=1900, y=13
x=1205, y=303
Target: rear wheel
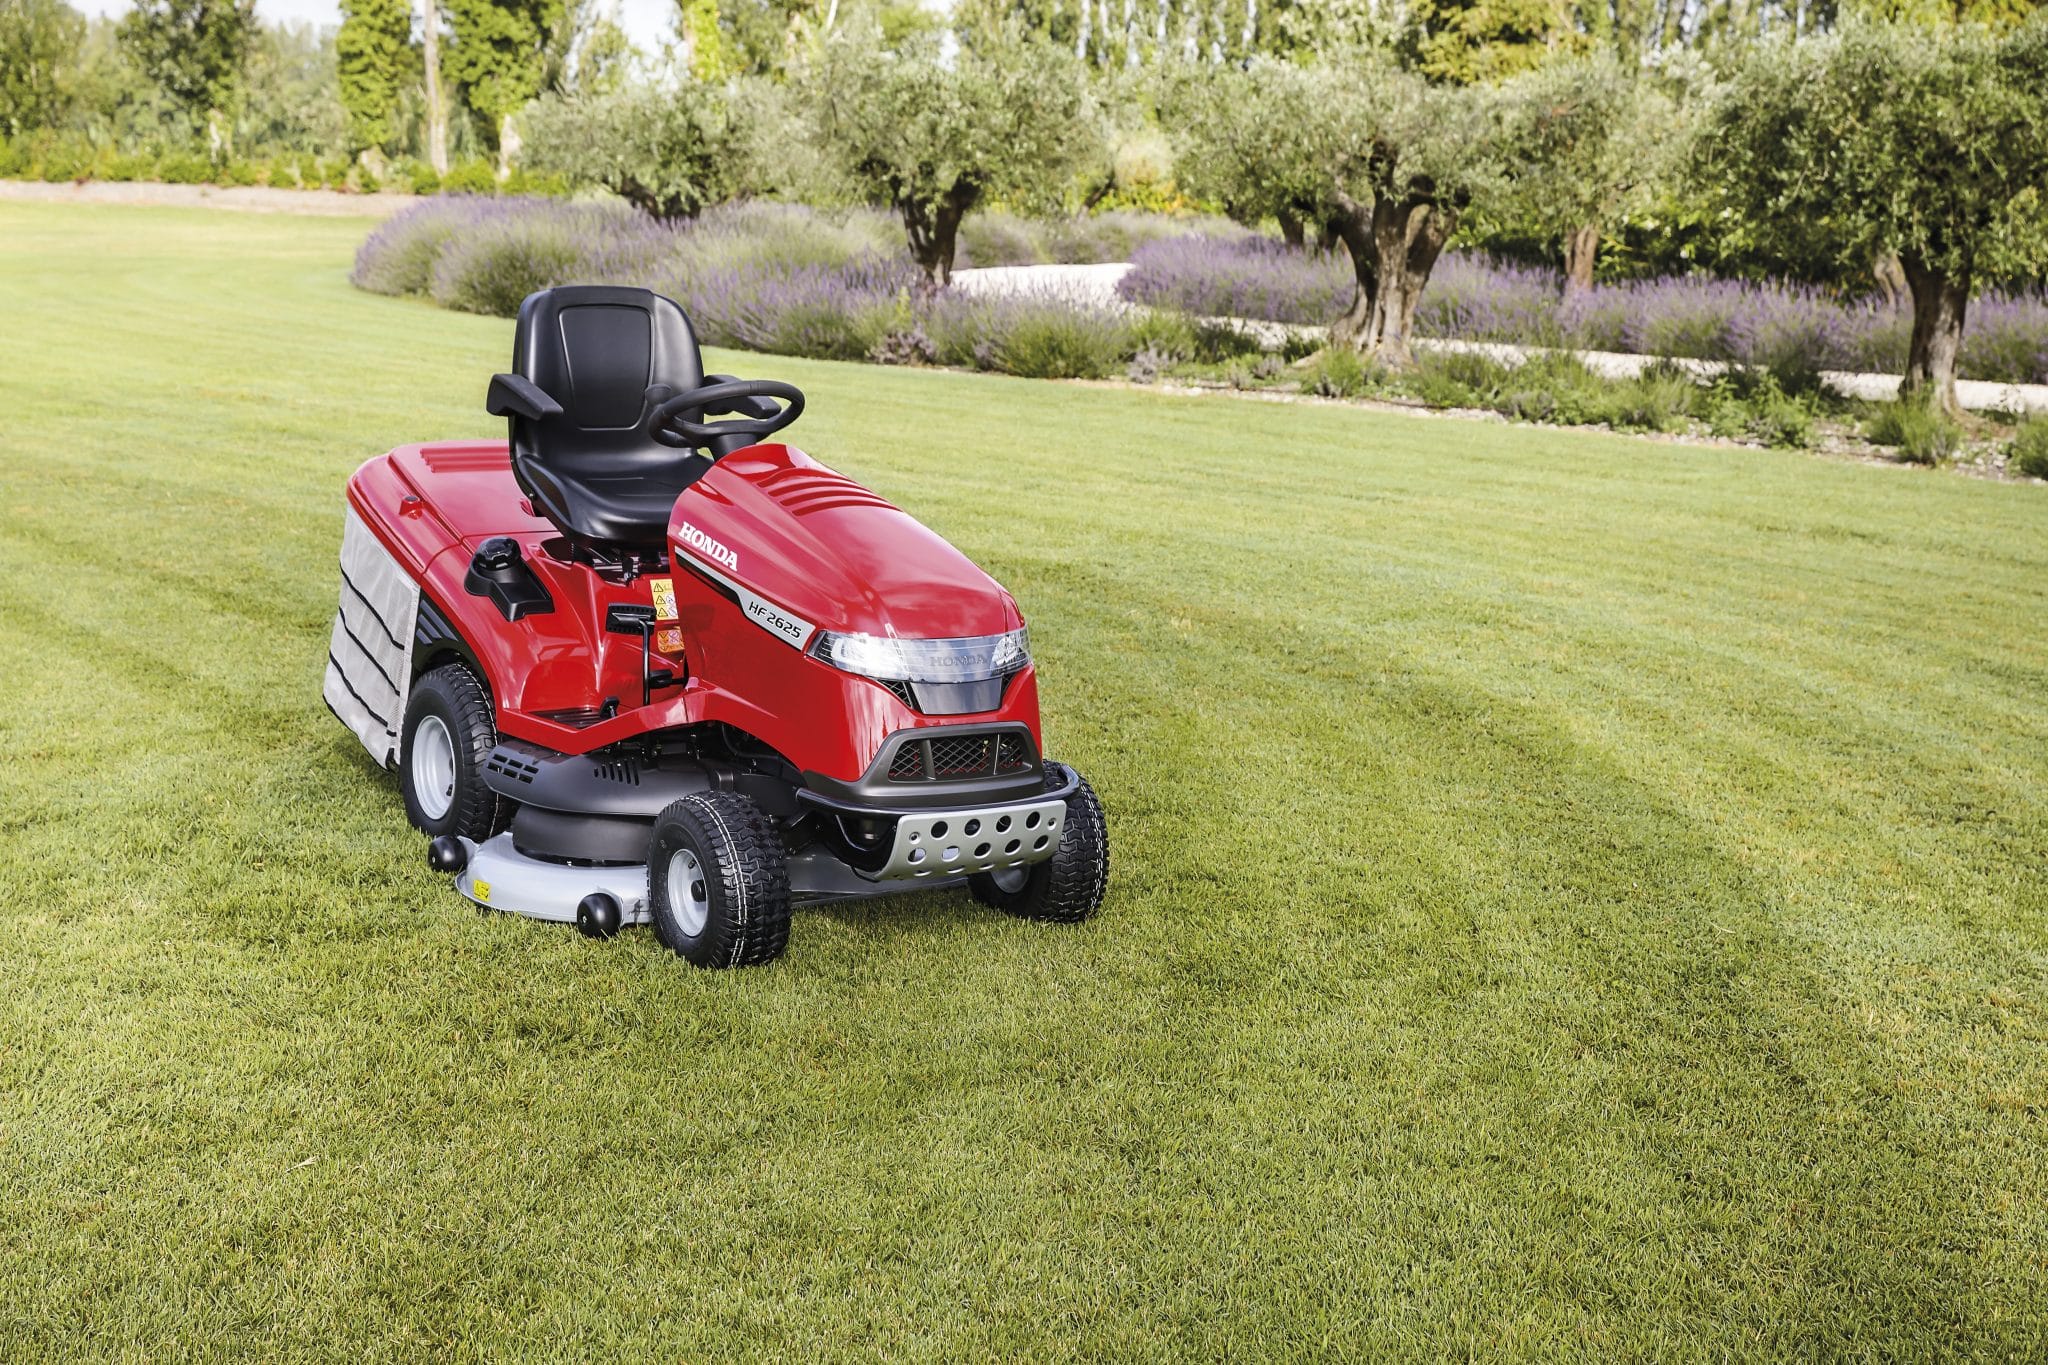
x=718, y=882
x=449, y=732
x=1067, y=887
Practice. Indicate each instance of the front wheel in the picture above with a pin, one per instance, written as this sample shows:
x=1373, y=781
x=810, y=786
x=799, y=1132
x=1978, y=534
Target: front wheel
x=1067, y=887
x=449, y=732
x=717, y=882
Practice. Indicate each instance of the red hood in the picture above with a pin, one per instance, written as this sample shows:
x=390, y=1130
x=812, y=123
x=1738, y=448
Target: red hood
x=775, y=521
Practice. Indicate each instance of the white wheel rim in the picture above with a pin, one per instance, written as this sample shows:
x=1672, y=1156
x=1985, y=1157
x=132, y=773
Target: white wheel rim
x=433, y=768
x=688, y=894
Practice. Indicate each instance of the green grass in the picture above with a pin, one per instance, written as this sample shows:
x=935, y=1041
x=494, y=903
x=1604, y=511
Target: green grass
x=1573, y=896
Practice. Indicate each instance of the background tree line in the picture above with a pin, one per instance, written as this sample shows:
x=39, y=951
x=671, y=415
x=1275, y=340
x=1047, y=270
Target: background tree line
x=1884, y=139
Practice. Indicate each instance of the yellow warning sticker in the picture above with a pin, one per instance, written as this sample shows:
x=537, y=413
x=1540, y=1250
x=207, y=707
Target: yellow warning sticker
x=669, y=640
x=664, y=598
x=483, y=891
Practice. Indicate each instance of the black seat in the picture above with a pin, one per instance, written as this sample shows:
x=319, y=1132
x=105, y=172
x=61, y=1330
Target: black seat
x=590, y=363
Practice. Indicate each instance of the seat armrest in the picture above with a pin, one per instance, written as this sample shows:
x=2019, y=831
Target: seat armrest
x=516, y=395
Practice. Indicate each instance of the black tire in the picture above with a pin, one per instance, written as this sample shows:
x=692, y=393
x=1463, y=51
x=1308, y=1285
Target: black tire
x=451, y=698
x=735, y=911
x=1067, y=887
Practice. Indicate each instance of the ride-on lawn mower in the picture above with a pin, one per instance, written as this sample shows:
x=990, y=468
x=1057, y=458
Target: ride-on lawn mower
x=636, y=666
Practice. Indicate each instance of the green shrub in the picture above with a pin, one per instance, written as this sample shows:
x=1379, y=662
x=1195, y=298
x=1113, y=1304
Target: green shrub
x=2028, y=453
x=1554, y=387
x=420, y=178
x=1658, y=399
x=522, y=181
x=1216, y=343
x=1457, y=379
x=1169, y=338
x=1920, y=433
x=184, y=168
x=13, y=158
x=1299, y=346
x=1340, y=372
x=1781, y=419
x=127, y=168
x=283, y=176
x=240, y=173
x=470, y=177
x=1061, y=343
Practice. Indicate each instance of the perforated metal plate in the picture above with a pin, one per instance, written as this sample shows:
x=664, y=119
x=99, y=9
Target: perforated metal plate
x=951, y=843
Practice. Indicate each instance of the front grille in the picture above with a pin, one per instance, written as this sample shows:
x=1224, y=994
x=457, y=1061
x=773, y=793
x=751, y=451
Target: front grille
x=947, y=756
x=965, y=756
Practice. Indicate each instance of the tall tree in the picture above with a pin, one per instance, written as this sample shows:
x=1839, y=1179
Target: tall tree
x=1930, y=144
x=437, y=100
x=39, y=53
x=377, y=65
x=196, y=52
x=1389, y=160
x=934, y=138
x=500, y=57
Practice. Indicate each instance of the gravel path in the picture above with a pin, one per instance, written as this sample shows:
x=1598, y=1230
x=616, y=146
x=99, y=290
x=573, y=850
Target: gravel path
x=242, y=198
x=1096, y=284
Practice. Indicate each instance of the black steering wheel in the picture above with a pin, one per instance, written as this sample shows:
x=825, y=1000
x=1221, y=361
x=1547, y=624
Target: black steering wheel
x=678, y=421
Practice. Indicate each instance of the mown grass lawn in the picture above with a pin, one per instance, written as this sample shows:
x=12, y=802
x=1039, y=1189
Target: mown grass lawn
x=1572, y=896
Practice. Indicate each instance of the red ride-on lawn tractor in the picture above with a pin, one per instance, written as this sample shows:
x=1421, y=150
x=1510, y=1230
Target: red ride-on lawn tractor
x=639, y=667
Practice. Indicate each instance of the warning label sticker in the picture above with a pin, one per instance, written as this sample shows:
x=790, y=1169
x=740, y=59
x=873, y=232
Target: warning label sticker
x=664, y=598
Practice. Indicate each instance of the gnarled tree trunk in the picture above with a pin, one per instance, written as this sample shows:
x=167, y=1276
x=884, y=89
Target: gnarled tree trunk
x=933, y=227
x=1581, y=249
x=1393, y=245
x=1940, y=301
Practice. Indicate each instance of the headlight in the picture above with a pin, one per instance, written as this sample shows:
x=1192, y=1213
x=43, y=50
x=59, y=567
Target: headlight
x=972, y=658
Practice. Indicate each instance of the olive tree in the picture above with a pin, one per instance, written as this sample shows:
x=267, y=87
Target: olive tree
x=1387, y=159
x=671, y=151
x=934, y=139
x=1584, y=135
x=1930, y=144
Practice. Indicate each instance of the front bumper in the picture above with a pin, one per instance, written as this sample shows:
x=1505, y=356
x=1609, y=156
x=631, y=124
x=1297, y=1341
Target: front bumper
x=913, y=844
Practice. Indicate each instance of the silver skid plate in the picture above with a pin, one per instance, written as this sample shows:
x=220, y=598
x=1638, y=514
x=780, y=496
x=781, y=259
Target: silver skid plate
x=951, y=843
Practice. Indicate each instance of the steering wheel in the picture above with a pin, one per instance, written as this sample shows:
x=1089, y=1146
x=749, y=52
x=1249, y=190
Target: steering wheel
x=669, y=425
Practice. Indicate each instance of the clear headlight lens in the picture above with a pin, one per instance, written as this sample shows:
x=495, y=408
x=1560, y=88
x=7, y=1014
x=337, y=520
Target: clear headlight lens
x=971, y=658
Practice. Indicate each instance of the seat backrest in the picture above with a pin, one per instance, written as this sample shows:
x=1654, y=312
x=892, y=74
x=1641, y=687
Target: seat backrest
x=607, y=354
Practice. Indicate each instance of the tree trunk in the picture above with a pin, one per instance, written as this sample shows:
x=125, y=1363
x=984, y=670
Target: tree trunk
x=1292, y=230
x=1939, y=302
x=1581, y=249
x=933, y=228
x=509, y=144
x=1891, y=280
x=1393, y=247
x=437, y=113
